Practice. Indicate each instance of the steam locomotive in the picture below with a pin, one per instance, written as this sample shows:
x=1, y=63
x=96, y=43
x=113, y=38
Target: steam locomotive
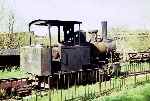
x=72, y=53
x=73, y=60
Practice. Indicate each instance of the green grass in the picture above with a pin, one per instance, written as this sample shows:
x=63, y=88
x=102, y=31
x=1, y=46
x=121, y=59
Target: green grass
x=18, y=73
x=13, y=73
x=85, y=93
x=140, y=93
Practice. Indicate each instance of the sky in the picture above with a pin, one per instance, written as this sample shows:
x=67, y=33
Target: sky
x=132, y=14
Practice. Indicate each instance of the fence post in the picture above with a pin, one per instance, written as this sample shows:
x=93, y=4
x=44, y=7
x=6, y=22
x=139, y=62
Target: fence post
x=49, y=82
x=105, y=81
x=64, y=76
x=134, y=77
x=57, y=77
x=61, y=85
x=75, y=83
x=149, y=64
x=88, y=76
x=100, y=81
x=110, y=82
x=113, y=83
x=148, y=67
x=85, y=91
x=136, y=67
x=120, y=83
x=128, y=67
x=68, y=84
x=35, y=90
x=141, y=66
x=78, y=81
x=146, y=75
x=132, y=67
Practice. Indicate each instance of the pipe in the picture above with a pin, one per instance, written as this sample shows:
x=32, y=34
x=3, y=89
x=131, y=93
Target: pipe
x=59, y=34
x=104, y=29
x=79, y=36
x=49, y=27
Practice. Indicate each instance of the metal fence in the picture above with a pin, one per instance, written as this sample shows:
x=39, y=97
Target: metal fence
x=131, y=75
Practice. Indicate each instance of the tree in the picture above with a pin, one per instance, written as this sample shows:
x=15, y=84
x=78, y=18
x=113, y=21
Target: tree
x=11, y=22
x=7, y=16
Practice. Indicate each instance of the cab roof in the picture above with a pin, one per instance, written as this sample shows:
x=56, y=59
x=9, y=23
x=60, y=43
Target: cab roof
x=53, y=22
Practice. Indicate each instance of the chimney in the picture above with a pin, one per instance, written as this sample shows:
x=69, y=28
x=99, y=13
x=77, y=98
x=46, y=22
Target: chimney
x=104, y=30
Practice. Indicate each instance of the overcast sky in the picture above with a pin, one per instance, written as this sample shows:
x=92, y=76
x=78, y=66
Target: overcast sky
x=130, y=13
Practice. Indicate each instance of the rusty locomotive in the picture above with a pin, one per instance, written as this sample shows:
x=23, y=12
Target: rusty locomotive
x=72, y=53
x=72, y=58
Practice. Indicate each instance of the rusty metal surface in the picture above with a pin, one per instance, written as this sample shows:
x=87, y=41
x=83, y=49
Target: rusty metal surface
x=73, y=58
x=12, y=83
x=9, y=52
x=36, y=60
x=139, y=56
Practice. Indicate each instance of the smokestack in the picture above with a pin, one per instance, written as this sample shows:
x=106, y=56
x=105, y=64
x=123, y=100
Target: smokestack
x=104, y=29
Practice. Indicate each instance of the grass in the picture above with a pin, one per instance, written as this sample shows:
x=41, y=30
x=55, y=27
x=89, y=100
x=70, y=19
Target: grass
x=18, y=73
x=88, y=92
x=13, y=73
x=140, y=93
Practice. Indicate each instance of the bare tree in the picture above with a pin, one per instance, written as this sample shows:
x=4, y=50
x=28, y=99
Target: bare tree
x=11, y=22
x=7, y=16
